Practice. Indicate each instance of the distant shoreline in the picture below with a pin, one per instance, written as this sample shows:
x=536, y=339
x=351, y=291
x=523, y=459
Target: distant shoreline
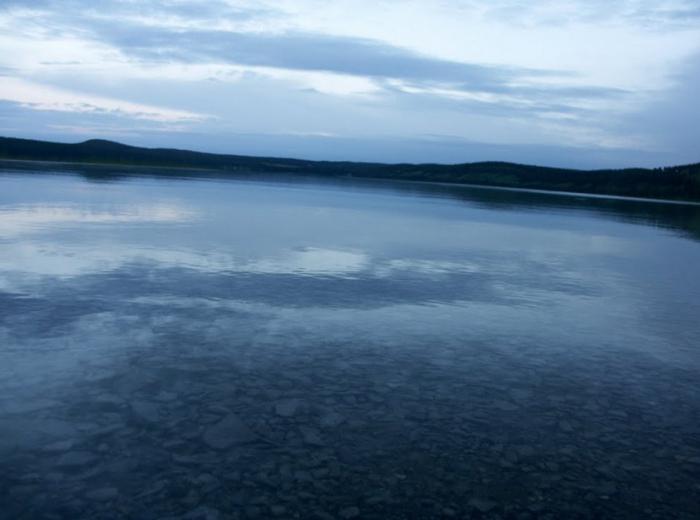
x=672, y=184
x=106, y=164
x=367, y=179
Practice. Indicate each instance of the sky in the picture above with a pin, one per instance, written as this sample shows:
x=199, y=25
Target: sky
x=578, y=83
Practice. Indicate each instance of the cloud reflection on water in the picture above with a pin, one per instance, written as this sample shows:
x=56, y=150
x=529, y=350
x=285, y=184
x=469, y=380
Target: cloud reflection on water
x=21, y=219
x=293, y=249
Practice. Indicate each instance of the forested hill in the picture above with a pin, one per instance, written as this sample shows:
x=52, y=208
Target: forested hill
x=677, y=182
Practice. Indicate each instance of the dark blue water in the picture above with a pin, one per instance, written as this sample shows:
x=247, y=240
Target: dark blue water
x=259, y=348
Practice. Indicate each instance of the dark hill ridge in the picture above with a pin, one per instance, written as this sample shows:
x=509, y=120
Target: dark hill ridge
x=677, y=182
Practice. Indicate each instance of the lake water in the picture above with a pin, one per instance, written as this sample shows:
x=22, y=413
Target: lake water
x=261, y=348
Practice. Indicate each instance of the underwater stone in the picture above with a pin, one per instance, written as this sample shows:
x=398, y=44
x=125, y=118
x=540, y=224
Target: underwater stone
x=228, y=432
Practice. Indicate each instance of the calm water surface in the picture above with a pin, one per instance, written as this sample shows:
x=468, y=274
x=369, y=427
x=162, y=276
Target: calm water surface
x=203, y=349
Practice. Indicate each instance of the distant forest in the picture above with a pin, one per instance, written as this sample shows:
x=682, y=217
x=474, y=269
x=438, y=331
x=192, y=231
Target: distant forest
x=676, y=182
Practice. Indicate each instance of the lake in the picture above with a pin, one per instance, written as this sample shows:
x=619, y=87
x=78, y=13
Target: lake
x=196, y=347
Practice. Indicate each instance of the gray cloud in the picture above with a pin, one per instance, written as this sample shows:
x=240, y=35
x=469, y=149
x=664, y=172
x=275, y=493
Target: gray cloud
x=672, y=121
x=192, y=10
x=568, y=93
x=647, y=13
x=675, y=13
x=350, y=56
x=304, y=51
x=291, y=50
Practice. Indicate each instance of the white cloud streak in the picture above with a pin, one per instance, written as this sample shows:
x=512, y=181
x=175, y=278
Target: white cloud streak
x=43, y=97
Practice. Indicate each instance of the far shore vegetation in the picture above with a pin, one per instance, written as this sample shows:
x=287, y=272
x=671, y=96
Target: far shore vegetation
x=675, y=182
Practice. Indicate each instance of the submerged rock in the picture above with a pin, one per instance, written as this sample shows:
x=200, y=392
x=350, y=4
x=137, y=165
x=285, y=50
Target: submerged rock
x=228, y=432
x=76, y=459
x=482, y=504
x=331, y=420
x=59, y=446
x=202, y=513
x=505, y=406
x=349, y=512
x=103, y=494
x=145, y=410
x=278, y=510
x=311, y=436
x=287, y=407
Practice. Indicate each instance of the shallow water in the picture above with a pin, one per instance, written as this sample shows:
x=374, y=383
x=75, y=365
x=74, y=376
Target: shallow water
x=258, y=348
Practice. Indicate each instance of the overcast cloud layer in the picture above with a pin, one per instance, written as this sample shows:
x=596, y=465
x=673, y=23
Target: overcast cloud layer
x=585, y=83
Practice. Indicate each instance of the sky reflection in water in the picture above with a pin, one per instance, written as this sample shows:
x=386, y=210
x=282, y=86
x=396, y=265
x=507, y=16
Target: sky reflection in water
x=346, y=260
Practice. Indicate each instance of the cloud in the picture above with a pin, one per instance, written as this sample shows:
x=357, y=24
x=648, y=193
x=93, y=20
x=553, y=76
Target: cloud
x=671, y=121
x=326, y=63
x=42, y=97
x=673, y=12
x=23, y=219
x=509, y=101
x=171, y=9
x=306, y=57
x=555, y=12
x=303, y=51
x=162, y=40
